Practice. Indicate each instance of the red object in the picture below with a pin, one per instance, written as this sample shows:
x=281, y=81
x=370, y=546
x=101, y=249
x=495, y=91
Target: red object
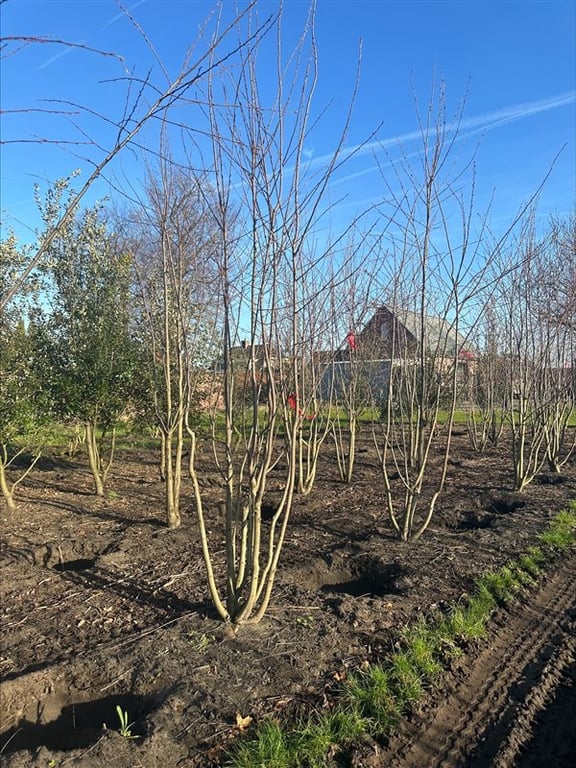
x=351, y=339
x=465, y=354
x=293, y=404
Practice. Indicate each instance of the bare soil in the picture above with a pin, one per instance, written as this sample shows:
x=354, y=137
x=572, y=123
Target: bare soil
x=102, y=606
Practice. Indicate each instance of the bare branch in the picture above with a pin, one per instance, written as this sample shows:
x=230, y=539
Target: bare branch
x=188, y=77
x=34, y=40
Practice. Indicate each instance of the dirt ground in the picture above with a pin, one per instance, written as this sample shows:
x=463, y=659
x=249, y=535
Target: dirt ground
x=102, y=606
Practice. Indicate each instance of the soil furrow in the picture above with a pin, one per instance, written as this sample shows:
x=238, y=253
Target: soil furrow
x=540, y=697
x=481, y=711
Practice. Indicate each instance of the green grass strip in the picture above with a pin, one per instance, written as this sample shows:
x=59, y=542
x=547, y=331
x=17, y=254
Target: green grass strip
x=375, y=698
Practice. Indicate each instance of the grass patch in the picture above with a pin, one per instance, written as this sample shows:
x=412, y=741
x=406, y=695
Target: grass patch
x=371, y=693
x=271, y=748
x=312, y=744
x=501, y=584
x=467, y=622
x=560, y=535
x=374, y=699
x=407, y=679
x=69, y=438
x=425, y=644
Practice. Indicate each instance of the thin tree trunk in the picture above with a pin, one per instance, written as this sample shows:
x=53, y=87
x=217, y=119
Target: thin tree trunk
x=5, y=488
x=172, y=472
x=94, y=457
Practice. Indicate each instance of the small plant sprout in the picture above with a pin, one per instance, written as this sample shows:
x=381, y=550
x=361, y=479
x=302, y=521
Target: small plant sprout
x=199, y=640
x=305, y=621
x=125, y=726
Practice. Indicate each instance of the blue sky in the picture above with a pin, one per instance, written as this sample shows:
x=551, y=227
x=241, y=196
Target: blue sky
x=514, y=62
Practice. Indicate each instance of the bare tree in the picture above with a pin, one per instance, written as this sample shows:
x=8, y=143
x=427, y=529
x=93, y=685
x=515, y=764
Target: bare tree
x=175, y=244
x=260, y=169
x=485, y=416
x=350, y=377
x=524, y=355
x=310, y=406
x=435, y=268
x=552, y=277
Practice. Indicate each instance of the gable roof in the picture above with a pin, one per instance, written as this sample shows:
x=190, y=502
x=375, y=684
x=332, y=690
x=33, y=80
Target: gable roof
x=440, y=335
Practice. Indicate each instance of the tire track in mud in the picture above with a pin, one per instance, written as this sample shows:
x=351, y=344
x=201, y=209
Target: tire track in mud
x=527, y=745
x=488, y=715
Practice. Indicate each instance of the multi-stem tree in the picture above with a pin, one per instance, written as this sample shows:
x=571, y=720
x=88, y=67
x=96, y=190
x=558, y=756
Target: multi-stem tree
x=557, y=394
x=558, y=312
x=309, y=402
x=260, y=171
x=349, y=378
x=175, y=244
x=550, y=345
x=487, y=390
x=435, y=267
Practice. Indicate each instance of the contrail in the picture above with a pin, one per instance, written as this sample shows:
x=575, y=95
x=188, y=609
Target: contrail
x=120, y=15
x=479, y=123
x=66, y=51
